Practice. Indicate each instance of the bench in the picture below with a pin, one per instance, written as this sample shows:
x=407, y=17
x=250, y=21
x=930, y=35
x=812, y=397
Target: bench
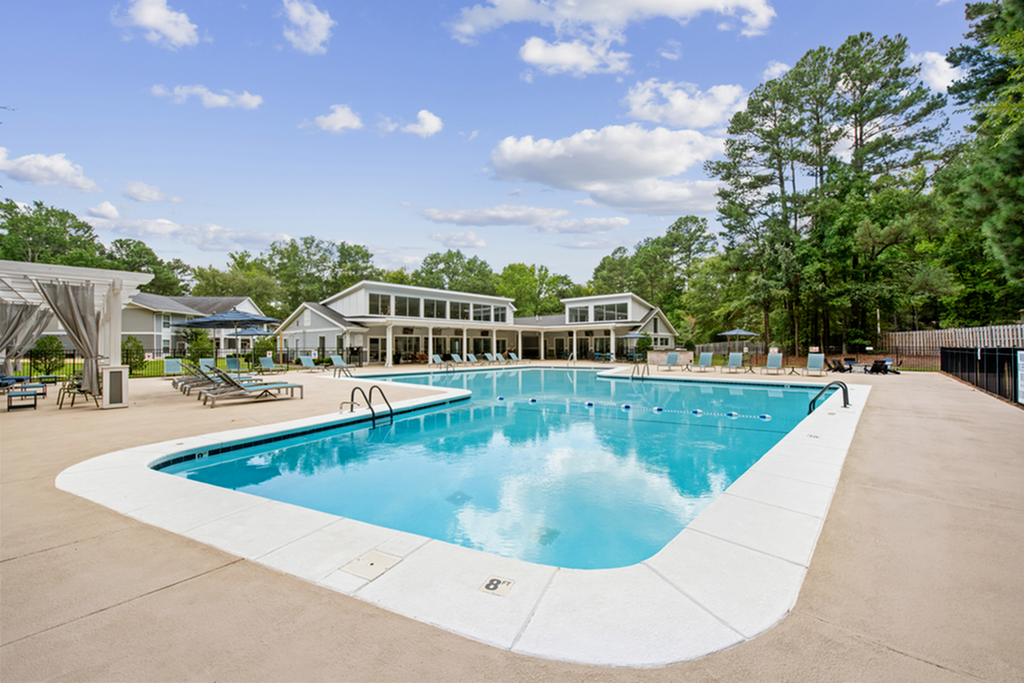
x=23, y=403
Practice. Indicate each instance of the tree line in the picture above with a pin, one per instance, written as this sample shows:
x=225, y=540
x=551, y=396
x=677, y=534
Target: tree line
x=847, y=208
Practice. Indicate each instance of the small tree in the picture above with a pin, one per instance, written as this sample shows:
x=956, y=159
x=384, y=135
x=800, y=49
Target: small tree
x=47, y=355
x=644, y=345
x=133, y=355
x=199, y=344
x=264, y=344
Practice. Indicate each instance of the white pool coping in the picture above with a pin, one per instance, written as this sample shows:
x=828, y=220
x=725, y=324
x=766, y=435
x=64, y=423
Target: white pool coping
x=730, y=575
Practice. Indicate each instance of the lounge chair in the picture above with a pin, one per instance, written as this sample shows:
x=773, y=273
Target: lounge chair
x=501, y=359
x=815, y=363
x=307, y=362
x=704, y=363
x=172, y=366
x=267, y=366
x=471, y=358
x=257, y=390
x=490, y=358
x=836, y=366
x=672, y=361
x=234, y=364
x=880, y=367
x=457, y=359
x=340, y=366
x=516, y=359
x=207, y=364
x=774, y=364
x=735, y=363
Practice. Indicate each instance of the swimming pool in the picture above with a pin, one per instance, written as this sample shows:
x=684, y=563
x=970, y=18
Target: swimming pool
x=733, y=573
x=552, y=466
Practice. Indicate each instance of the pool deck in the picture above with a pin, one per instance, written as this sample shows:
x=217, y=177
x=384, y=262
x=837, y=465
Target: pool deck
x=917, y=573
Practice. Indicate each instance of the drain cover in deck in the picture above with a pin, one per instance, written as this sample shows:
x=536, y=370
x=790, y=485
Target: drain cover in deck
x=372, y=564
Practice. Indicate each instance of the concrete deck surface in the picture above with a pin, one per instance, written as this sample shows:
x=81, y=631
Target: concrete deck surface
x=918, y=573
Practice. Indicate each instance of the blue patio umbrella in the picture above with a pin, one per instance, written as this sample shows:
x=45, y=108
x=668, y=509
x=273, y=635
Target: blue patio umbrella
x=227, y=320
x=736, y=333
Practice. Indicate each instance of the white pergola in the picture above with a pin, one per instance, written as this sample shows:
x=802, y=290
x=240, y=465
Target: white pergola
x=113, y=288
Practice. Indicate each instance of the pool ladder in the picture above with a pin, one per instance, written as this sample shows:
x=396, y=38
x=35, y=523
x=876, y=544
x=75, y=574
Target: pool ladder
x=639, y=371
x=352, y=403
x=836, y=383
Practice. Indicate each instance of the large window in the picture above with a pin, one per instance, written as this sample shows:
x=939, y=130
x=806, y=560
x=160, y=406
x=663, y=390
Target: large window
x=610, y=311
x=407, y=306
x=434, y=308
x=578, y=314
x=459, y=311
x=380, y=304
x=167, y=322
x=481, y=312
x=500, y=315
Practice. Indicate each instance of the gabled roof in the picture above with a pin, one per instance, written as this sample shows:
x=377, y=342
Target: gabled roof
x=163, y=304
x=208, y=305
x=328, y=313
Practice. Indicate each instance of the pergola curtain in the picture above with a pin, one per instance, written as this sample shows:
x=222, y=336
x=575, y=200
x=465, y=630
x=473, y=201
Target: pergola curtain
x=75, y=307
x=20, y=326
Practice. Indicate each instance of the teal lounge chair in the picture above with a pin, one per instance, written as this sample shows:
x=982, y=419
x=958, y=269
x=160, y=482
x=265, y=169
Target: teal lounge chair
x=234, y=364
x=774, y=364
x=230, y=388
x=307, y=362
x=172, y=366
x=502, y=359
x=815, y=363
x=340, y=366
x=490, y=358
x=735, y=363
x=471, y=358
x=207, y=364
x=704, y=363
x=516, y=359
x=267, y=366
x=672, y=361
x=457, y=359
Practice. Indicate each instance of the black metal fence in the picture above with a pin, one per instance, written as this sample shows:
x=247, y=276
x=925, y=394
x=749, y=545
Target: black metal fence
x=994, y=370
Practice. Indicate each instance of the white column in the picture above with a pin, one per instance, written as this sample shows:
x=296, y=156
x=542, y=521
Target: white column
x=613, y=344
x=543, y=350
x=389, y=346
x=430, y=342
x=465, y=345
x=572, y=353
x=519, y=343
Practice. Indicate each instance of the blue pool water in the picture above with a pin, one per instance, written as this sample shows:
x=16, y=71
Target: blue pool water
x=558, y=467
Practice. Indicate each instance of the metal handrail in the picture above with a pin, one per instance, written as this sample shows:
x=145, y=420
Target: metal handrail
x=841, y=385
x=373, y=413
x=639, y=371
x=572, y=359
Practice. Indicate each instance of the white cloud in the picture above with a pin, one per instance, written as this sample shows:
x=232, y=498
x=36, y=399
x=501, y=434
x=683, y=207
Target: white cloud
x=207, y=236
x=164, y=27
x=600, y=17
x=598, y=158
x=496, y=215
x=936, y=72
x=141, y=192
x=775, y=69
x=682, y=104
x=586, y=226
x=602, y=244
x=104, y=210
x=340, y=118
x=46, y=170
x=574, y=57
x=211, y=100
x=672, y=50
x=387, y=125
x=660, y=197
x=427, y=125
x=309, y=28
x=457, y=240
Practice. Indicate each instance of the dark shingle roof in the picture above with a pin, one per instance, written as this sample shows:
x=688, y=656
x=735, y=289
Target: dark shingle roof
x=164, y=304
x=208, y=305
x=330, y=314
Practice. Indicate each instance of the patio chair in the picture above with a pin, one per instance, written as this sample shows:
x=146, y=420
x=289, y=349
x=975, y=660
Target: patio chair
x=672, y=361
x=878, y=367
x=502, y=359
x=735, y=363
x=73, y=388
x=307, y=362
x=490, y=358
x=704, y=363
x=172, y=366
x=340, y=366
x=836, y=366
x=207, y=364
x=457, y=359
x=774, y=364
x=815, y=363
x=471, y=358
x=516, y=359
x=234, y=364
x=230, y=388
x=267, y=366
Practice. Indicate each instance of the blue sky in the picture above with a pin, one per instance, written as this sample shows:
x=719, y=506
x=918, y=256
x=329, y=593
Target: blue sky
x=514, y=130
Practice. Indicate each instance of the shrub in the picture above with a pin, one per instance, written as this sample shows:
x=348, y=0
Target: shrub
x=47, y=355
x=133, y=355
x=644, y=345
x=199, y=345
